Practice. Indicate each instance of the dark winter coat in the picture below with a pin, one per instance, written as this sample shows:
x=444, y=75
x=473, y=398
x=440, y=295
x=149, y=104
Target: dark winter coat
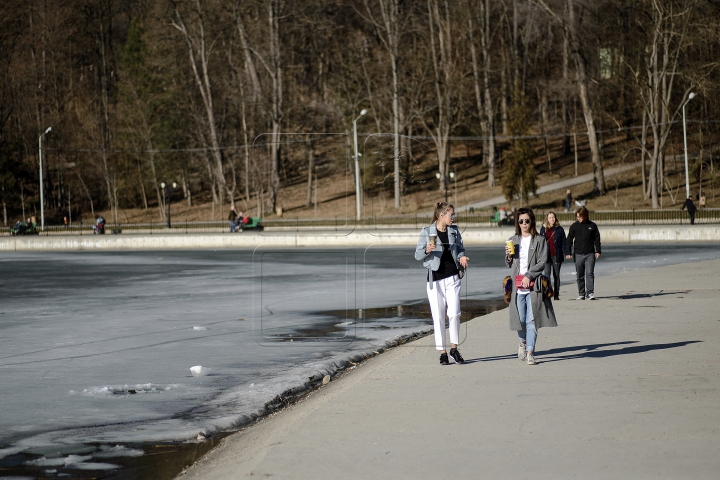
x=560, y=243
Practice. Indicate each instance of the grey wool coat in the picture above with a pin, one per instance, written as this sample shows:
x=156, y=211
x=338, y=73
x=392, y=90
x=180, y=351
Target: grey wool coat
x=542, y=308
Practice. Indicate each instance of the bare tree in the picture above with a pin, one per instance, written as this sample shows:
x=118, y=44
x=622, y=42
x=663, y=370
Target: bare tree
x=447, y=104
x=656, y=81
x=199, y=52
x=388, y=28
x=572, y=25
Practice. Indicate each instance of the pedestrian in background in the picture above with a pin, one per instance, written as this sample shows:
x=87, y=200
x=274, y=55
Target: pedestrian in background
x=555, y=236
x=690, y=208
x=529, y=308
x=583, y=243
x=441, y=250
x=568, y=200
x=232, y=216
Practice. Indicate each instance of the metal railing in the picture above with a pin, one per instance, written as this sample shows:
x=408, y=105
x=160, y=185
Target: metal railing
x=340, y=224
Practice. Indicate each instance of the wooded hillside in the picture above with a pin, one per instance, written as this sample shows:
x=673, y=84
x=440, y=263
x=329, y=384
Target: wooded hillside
x=237, y=100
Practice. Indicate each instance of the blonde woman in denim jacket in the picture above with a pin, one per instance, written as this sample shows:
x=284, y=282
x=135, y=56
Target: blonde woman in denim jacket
x=444, y=259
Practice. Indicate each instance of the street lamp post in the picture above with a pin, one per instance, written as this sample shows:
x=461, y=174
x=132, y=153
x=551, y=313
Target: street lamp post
x=357, y=163
x=450, y=175
x=168, y=198
x=42, y=200
x=687, y=175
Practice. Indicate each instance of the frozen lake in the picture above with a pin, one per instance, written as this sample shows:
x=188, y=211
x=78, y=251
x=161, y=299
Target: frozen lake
x=96, y=348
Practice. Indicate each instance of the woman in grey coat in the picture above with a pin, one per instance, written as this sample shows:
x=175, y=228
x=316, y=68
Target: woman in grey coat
x=529, y=308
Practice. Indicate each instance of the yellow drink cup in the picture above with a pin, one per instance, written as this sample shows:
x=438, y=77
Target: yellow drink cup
x=511, y=247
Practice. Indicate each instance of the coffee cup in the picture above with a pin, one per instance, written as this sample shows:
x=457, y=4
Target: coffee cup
x=433, y=238
x=511, y=247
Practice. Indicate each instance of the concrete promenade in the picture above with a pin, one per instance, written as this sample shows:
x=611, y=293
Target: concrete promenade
x=348, y=238
x=628, y=386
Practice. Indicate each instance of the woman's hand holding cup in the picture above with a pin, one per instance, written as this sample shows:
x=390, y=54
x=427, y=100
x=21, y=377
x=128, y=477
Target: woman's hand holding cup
x=432, y=245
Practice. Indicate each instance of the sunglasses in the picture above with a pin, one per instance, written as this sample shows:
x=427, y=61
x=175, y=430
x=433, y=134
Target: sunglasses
x=524, y=221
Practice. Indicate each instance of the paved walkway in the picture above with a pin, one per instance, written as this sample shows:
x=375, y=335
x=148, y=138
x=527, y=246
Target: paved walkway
x=550, y=187
x=628, y=386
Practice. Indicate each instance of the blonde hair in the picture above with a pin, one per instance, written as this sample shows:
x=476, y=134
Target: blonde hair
x=440, y=208
x=547, y=225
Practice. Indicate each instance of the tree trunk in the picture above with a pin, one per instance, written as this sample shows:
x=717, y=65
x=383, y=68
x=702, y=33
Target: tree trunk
x=311, y=169
x=583, y=91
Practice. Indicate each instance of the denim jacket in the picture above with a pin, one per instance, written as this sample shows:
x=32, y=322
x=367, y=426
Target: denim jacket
x=431, y=261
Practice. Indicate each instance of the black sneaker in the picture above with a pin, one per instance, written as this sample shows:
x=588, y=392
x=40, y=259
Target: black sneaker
x=444, y=359
x=456, y=355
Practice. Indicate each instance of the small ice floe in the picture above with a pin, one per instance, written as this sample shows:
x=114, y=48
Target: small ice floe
x=199, y=328
x=202, y=436
x=111, y=390
x=107, y=451
x=344, y=324
x=56, y=462
x=94, y=466
x=199, y=371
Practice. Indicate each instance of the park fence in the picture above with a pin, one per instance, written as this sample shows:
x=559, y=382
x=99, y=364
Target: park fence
x=464, y=220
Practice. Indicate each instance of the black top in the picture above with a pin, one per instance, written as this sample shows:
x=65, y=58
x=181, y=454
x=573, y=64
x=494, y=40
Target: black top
x=447, y=266
x=584, y=237
x=689, y=205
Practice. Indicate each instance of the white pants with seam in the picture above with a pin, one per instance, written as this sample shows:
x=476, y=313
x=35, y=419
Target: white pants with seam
x=445, y=296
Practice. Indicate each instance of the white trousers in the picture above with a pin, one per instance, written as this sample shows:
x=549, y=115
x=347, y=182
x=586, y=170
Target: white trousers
x=445, y=295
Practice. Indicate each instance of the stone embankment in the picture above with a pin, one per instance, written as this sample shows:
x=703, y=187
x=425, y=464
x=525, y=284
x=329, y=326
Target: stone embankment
x=347, y=238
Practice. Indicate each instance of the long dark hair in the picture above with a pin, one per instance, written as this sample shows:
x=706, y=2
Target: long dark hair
x=440, y=208
x=533, y=227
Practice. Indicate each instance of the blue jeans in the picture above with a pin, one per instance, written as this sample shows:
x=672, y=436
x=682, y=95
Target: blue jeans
x=232, y=225
x=528, y=334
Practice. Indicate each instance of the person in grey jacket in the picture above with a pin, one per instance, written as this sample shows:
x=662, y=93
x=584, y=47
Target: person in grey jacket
x=441, y=250
x=529, y=308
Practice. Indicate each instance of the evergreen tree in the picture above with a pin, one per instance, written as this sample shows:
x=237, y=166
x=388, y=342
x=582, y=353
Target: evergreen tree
x=519, y=176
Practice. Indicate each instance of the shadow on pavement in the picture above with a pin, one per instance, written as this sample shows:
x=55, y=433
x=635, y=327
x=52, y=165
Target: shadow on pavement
x=554, y=351
x=611, y=353
x=632, y=296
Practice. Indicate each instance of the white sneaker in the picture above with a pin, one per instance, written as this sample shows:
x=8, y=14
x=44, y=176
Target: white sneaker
x=580, y=298
x=530, y=358
x=522, y=354
x=591, y=296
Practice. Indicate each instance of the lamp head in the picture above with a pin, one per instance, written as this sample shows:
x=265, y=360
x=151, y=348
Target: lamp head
x=49, y=129
x=451, y=174
x=174, y=184
x=691, y=96
x=437, y=175
x=363, y=112
x=162, y=184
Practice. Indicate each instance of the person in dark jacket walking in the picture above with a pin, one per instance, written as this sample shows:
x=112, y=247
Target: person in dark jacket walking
x=583, y=242
x=690, y=208
x=232, y=216
x=555, y=236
